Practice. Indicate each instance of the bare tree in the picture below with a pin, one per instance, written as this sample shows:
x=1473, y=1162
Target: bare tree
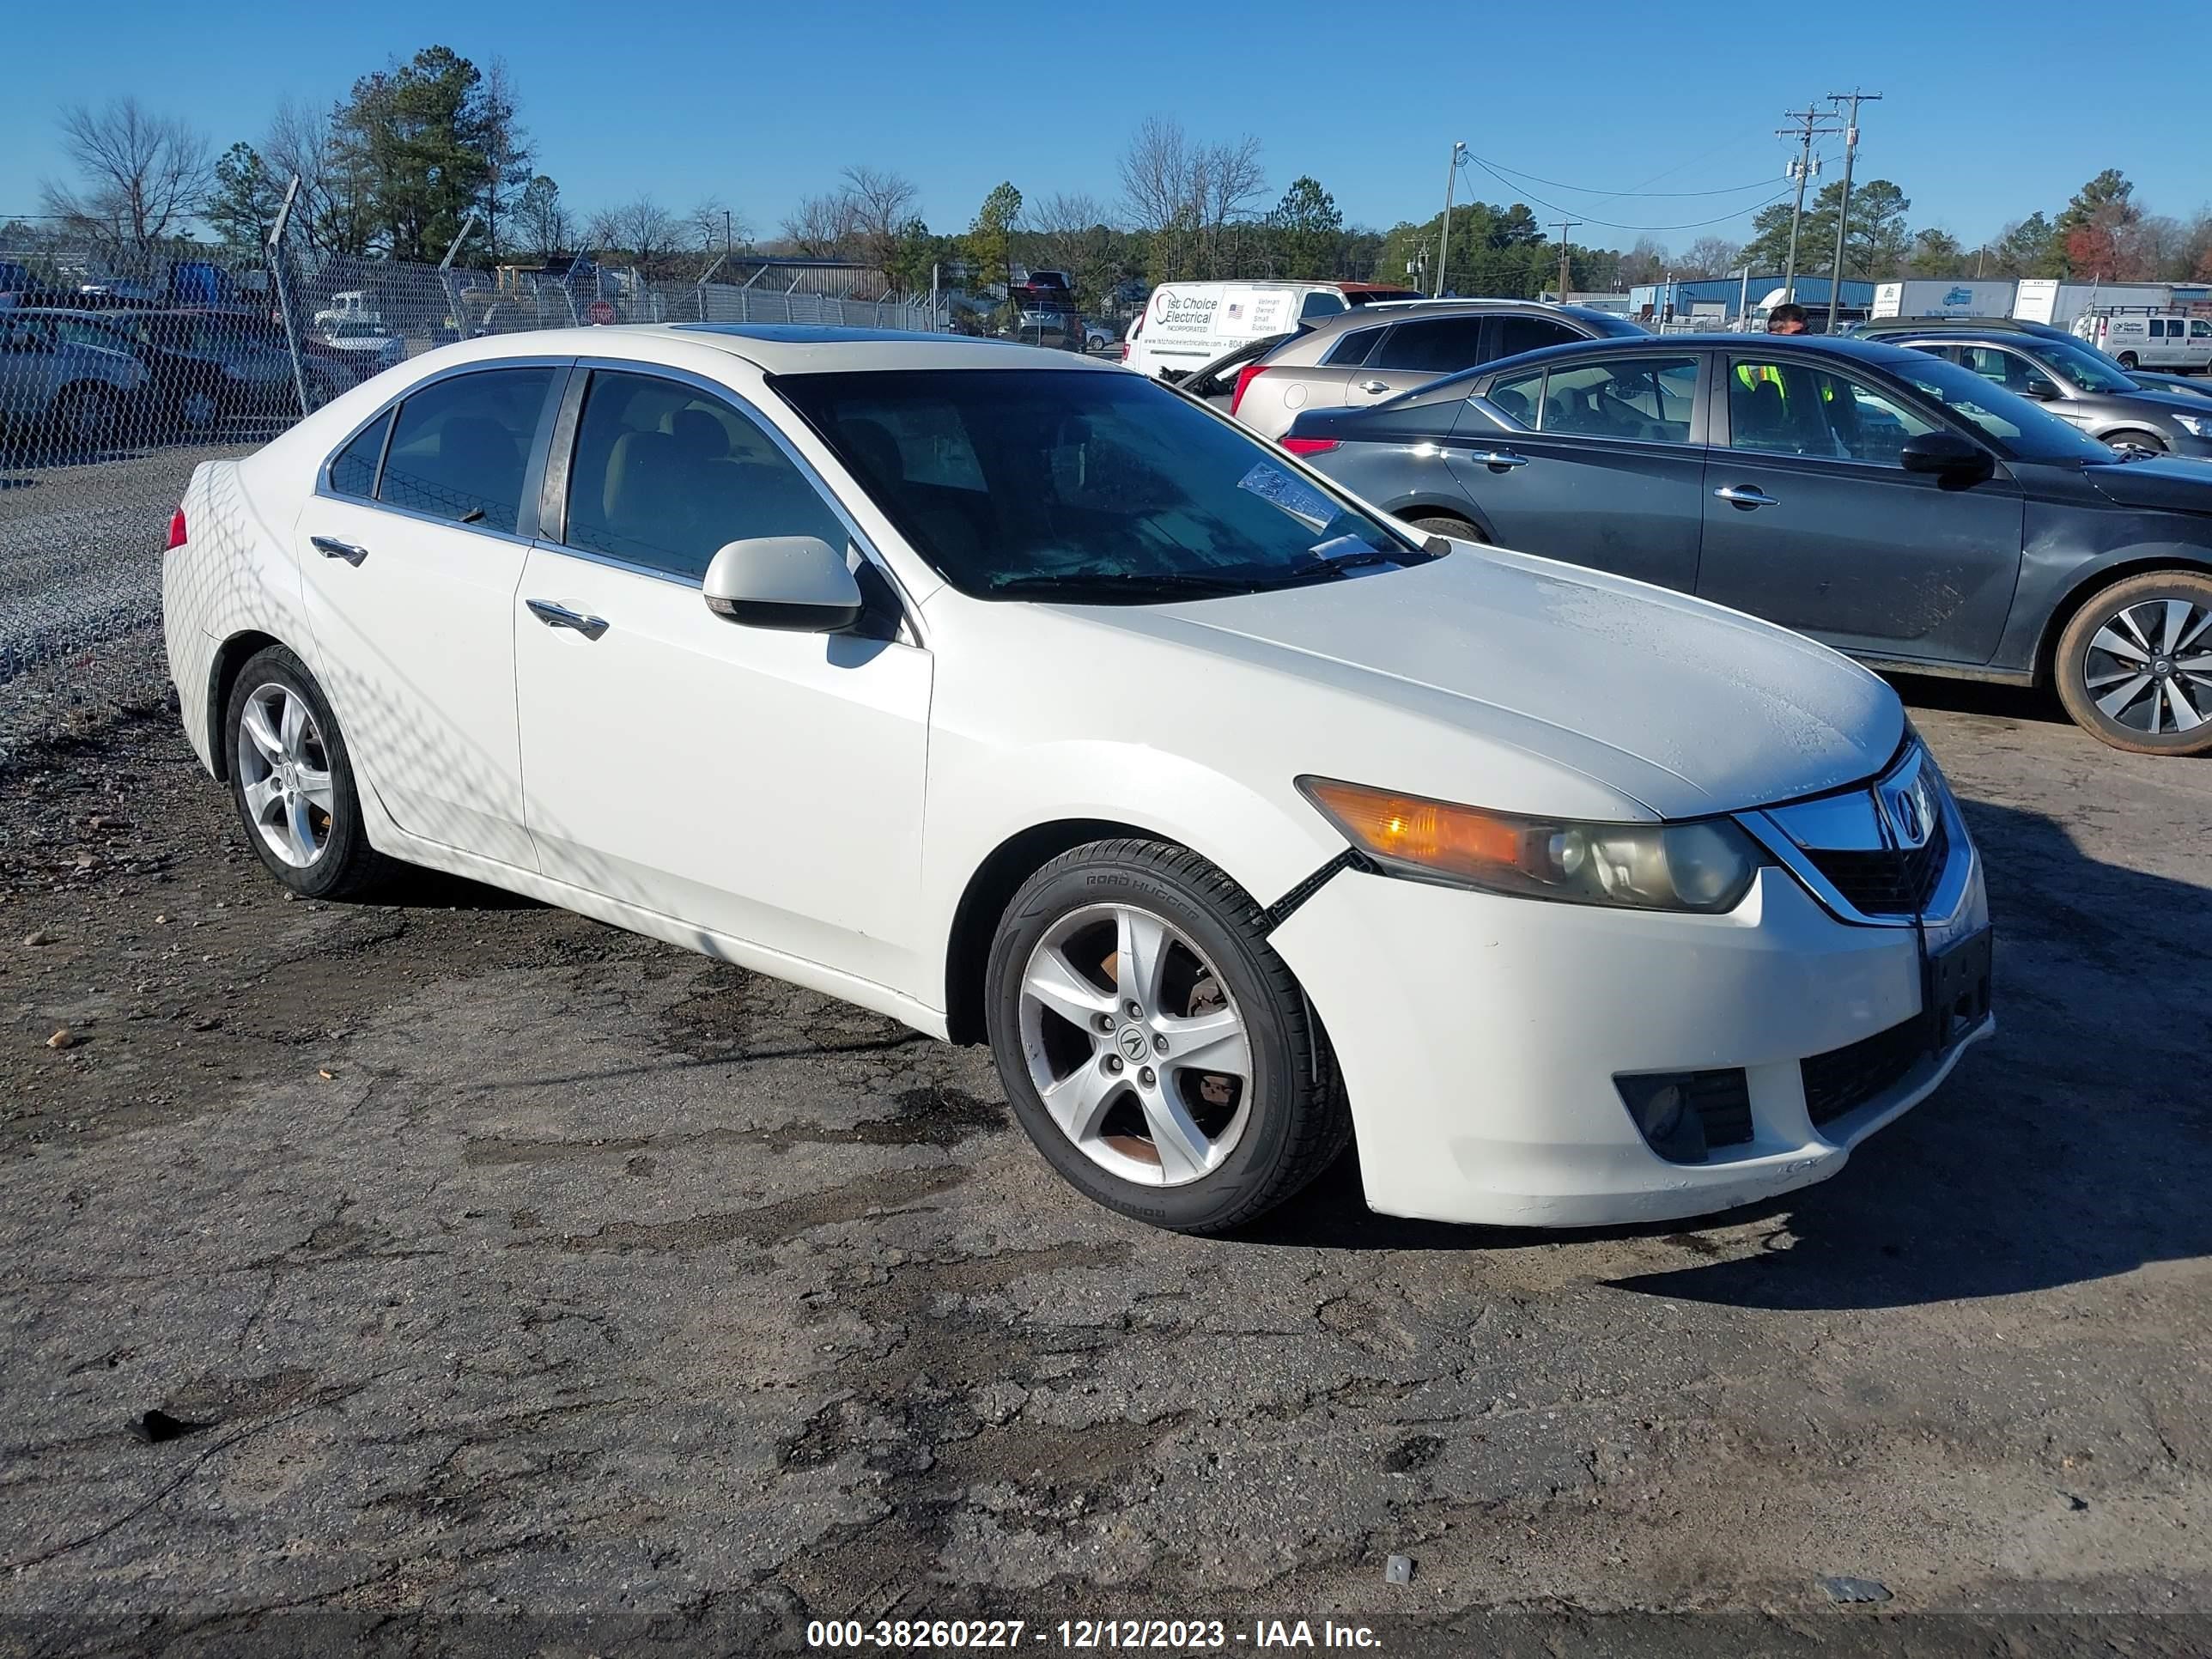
x=331, y=210
x=881, y=203
x=642, y=228
x=714, y=229
x=821, y=227
x=1187, y=194
x=141, y=175
x=1710, y=255
x=1071, y=234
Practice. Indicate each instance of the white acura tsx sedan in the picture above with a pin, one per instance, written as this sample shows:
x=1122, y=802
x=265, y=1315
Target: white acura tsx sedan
x=1030, y=702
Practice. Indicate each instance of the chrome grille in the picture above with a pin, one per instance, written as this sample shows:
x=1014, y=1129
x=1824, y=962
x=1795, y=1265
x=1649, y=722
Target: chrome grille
x=1889, y=881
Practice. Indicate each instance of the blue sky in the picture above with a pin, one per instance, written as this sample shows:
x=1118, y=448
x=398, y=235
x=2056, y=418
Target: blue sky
x=1987, y=115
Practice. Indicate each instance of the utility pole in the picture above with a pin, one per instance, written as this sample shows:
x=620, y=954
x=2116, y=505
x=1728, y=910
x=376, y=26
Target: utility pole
x=1843, y=212
x=1804, y=127
x=1564, y=225
x=726, y=245
x=1443, y=248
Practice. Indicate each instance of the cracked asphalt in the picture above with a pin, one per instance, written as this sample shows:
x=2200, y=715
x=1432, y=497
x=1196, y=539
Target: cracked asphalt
x=523, y=1285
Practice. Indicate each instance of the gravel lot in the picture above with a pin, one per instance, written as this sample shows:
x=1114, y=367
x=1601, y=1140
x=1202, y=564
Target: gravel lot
x=533, y=1287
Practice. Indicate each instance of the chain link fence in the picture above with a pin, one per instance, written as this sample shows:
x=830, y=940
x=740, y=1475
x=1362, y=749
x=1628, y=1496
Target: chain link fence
x=121, y=371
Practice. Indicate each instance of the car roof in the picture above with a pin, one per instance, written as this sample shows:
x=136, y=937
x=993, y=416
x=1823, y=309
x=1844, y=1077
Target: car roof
x=780, y=348
x=1788, y=345
x=1366, y=316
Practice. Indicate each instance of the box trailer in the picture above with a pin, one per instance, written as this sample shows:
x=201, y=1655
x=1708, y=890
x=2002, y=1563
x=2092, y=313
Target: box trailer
x=1935, y=297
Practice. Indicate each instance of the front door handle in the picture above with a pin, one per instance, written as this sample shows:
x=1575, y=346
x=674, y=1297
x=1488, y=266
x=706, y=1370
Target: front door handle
x=1377, y=386
x=1499, y=461
x=332, y=547
x=1746, y=496
x=559, y=616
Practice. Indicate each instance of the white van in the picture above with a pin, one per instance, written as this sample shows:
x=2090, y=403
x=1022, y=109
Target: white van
x=1185, y=324
x=2149, y=339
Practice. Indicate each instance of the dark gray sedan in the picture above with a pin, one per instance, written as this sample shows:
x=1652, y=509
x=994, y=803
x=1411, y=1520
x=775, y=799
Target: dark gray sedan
x=1885, y=500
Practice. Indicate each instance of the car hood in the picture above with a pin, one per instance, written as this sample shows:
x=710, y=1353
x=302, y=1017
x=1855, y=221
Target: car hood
x=2172, y=485
x=1528, y=685
x=2166, y=403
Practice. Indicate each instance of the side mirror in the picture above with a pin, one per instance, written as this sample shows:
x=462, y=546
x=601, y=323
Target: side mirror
x=795, y=582
x=1947, y=456
x=2041, y=390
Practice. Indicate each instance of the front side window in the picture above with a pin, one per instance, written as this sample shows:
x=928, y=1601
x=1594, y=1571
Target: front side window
x=2025, y=430
x=1646, y=399
x=665, y=475
x=460, y=447
x=1793, y=409
x=2200, y=330
x=2084, y=367
x=2006, y=368
x=1437, y=345
x=1087, y=487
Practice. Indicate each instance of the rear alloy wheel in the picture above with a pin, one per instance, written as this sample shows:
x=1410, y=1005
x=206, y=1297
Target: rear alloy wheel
x=1155, y=1048
x=2135, y=666
x=1456, y=529
x=292, y=782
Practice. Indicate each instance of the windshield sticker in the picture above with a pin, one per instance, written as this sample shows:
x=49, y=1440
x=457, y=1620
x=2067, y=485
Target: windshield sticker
x=1298, y=499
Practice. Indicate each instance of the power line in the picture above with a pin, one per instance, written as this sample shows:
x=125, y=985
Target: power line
x=1803, y=126
x=1609, y=224
x=1640, y=193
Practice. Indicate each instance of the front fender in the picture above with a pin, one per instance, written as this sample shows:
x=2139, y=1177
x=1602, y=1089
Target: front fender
x=2056, y=577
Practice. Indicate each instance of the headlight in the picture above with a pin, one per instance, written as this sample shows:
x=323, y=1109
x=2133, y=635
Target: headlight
x=1707, y=866
x=2197, y=426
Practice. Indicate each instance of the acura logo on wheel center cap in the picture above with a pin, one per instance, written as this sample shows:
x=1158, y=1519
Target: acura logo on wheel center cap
x=1131, y=1042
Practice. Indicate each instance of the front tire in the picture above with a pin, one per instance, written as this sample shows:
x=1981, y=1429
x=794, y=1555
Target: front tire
x=2134, y=667
x=1456, y=529
x=292, y=781
x=1155, y=1048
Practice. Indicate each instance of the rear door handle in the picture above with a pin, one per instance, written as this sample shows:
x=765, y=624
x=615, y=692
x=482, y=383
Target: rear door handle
x=1375, y=386
x=332, y=547
x=1499, y=461
x=559, y=616
x=1745, y=495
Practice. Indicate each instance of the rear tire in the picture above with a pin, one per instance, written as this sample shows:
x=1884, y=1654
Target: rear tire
x=292, y=782
x=2127, y=360
x=2136, y=662
x=1438, y=524
x=1217, y=1098
x=86, y=415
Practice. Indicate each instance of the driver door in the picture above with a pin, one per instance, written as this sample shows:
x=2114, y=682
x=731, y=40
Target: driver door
x=757, y=783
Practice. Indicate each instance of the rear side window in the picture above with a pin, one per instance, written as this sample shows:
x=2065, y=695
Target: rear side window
x=353, y=469
x=1437, y=344
x=1320, y=304
x=1643, y=398
x=665, y=474
x=1355, y=347
x=460, y=447
x=1518, y=334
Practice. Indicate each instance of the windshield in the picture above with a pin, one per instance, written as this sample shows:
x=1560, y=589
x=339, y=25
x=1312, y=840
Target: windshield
x=2023, y=430
x=2090, y=370
x=1029, y=483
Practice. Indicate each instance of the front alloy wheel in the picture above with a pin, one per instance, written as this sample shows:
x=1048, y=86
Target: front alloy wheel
x=1155, y=1048
x=2135, y=666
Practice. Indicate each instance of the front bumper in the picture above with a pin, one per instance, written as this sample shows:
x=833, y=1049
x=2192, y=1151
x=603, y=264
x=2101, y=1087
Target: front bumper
x=1480, y=1038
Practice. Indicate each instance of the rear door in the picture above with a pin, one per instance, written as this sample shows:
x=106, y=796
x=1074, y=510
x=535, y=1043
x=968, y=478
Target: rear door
x=1608, y=472
x=1812, y=521
x=1417, y=350
x=408, y=552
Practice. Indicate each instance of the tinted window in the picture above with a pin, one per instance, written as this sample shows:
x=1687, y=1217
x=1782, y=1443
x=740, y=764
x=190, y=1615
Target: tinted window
x=1792, y=409
x=2006, y=368
x=461, y=446
x=2021, y=428
x=2084, y=367
x=353, y=469
x=1032, y=484
x=1518, y=334
x=2200, y=330
x=1321, y=305
x=1355, y=345
x=1437, y=344
x=1647, y=398
x=664, y=474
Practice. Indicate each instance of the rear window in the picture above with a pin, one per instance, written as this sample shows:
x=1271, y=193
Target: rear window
x=1441, y=345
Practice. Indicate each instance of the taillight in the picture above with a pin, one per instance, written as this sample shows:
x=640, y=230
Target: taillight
x=176, y=530
x=1310, y=445
x=1245, y=376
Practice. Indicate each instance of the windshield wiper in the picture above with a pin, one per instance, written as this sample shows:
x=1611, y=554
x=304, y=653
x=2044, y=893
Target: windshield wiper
x=1121, y=584
x=1337, y=563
